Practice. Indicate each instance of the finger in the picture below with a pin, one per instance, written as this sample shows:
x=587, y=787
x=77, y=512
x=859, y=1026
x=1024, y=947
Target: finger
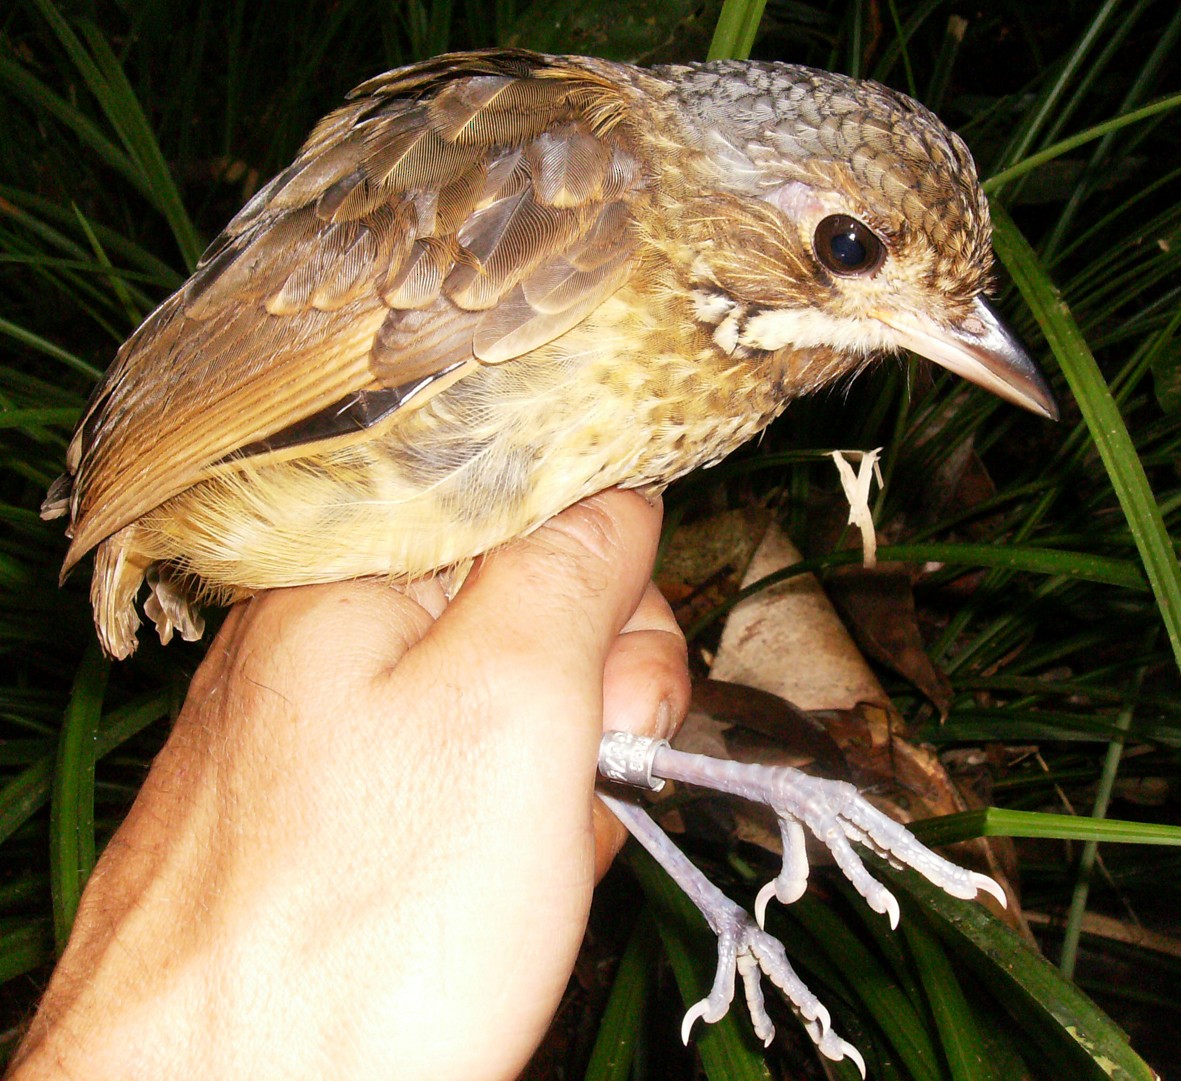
x=653, y=614
x=582, y=574
x=526, y=640
x=646, y=691
x=646, y=675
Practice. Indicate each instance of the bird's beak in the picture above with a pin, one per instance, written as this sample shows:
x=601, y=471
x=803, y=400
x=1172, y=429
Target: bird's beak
x=981, y=349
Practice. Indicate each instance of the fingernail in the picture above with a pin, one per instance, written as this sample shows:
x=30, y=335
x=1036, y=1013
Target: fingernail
x=664, y=719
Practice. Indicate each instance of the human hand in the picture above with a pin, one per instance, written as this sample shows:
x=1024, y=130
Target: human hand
x=368, y=847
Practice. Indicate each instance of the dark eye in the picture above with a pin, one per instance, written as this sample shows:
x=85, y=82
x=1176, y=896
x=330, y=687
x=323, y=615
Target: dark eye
x=847, y=247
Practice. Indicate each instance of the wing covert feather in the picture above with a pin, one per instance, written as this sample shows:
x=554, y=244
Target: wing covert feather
x=456, y=212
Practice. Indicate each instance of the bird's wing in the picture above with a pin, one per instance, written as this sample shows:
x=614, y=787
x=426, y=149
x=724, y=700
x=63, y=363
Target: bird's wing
x=461, y=212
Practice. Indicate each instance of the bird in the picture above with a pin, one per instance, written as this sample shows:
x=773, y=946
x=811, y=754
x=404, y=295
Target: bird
x=494, y=283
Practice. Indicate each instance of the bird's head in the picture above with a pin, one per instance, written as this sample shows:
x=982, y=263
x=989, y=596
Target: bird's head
x=869, y=233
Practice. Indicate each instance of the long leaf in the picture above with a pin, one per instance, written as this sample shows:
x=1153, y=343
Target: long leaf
x=1079, y=1039
x=1103, y=419
x=1002, y=822
x=623, y=1019
x=105, y=78
x=964, y=1046
x=1081, y=565
x=71, y=816
x=26, y=793
x=1034, y=161
x=738, y=24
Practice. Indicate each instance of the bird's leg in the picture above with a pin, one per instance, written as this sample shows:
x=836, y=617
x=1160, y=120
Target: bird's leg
x=832, y=811
x=744, y=948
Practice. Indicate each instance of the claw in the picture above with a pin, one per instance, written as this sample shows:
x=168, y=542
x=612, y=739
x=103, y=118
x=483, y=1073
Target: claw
x=846, y=1050
x=691, y=1015
x=761, y=901
x=748, y=951
x=792, y=881
x=836, y=814
x=990, y=886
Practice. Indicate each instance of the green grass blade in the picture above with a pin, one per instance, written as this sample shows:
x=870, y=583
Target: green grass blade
x=118, y=286
x=623, y=1019
x=43, y=345
x=71, y=815
x=45, y=219
x=41, y=98
x=1147, y=77
x=1001, y=822
x=1046, y=108
x=872, y=982
x=1077, y=1038
x=25, y=948
x=1102, y=417
x=1034, y=161
x=738, y=24
x=1076, y=565
x=967, y=1054
x=953, y=38
x=1072, y=932
x=29, y=419
x=26, y=793
x=104, y=75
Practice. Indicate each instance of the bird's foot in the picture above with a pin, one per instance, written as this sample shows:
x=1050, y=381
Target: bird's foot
x=832, y=811
x=836, y=814
x=744, y=949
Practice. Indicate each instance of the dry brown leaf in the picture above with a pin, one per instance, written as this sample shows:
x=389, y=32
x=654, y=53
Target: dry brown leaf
x=789, y=642
x=879, y=606
x=706, y=559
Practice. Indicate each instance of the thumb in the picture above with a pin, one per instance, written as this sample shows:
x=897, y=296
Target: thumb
x=528, y=635
x=567, y=589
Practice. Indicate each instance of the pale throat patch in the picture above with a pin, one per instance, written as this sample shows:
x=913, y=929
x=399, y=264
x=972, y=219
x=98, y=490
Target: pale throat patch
x=804, y=328
x=771, y=329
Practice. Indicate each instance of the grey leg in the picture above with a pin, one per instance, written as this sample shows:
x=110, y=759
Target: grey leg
x=832, y=811
x=744, y=948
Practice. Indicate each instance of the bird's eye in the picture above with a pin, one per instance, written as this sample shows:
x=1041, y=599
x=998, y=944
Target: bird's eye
x=847, y=247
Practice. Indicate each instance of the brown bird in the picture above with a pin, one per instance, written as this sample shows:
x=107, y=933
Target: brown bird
x=495, y=283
